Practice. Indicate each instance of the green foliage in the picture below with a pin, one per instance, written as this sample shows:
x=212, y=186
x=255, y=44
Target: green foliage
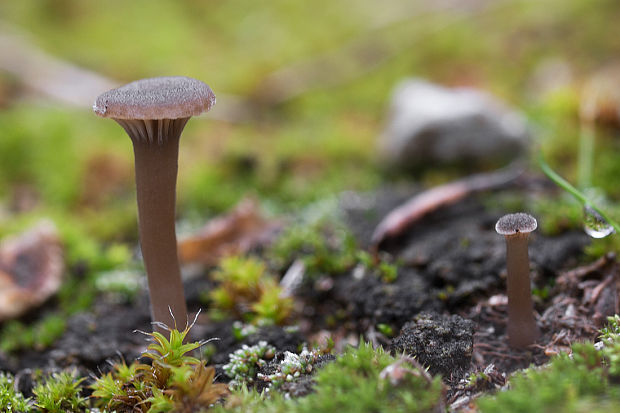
x=585, y=381
x=601, y=246
x=578, y=195
x=271, y=307
x=121, y=283
x=293, y=366
x=27, y=155
x=325, y=247
x=245, y=362
x=175, y=381
x=383, y=267
x=354, y=383
x=247, y=291
x=561, y=214
x=75, y=294
x=60, y=393
x=11, y=401
x=385, y=329
x=357, y=381
x=243, y=330
x=16, y=335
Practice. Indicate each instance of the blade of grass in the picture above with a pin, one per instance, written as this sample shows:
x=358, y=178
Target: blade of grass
x=578, y=195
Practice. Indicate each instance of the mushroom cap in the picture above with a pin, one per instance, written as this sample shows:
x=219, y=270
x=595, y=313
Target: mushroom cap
x=519, y=223
x=156, y=98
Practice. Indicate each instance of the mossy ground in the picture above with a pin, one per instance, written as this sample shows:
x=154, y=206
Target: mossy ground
x=75, y=169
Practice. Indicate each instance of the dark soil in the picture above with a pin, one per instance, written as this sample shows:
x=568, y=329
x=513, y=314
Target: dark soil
x=446, y=306
x=443, y=343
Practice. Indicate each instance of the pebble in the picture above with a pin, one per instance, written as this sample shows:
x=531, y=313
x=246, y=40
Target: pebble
x=429, y=124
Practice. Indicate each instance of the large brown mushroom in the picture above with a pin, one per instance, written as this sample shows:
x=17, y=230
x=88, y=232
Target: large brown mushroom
x=154, y=112
x=522, y=329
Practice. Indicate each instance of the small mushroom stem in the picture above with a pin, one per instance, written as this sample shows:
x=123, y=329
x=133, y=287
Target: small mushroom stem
x=522, y=329
x=156, y=165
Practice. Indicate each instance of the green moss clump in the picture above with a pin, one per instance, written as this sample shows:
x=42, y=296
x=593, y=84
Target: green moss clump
x=245, y=362
x=60, y=393
x=560, y=214
x=585, y=381
x=11, y=401
x=246, y=290
x=173, y=382
x=325, y=247
x=358, y=381
x=16, y=335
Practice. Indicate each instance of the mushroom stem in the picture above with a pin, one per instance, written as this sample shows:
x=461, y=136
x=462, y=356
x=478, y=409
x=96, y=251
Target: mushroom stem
x=522, y=329
x=154, y=112
x=156, y=166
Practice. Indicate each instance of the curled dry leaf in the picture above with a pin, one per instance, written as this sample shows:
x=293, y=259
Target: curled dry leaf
x=31, y=269
x=236, y=232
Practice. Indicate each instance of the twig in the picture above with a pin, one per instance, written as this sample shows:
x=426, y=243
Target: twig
x=434, y=198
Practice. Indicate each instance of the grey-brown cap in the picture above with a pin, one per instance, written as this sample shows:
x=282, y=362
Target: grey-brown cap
x=156, y=98
x=519, y=223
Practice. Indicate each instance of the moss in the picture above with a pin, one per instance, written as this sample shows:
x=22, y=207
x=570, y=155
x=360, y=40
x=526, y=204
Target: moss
x=60, y=393
x=11, y=401
x=85, y=259
x=325, y=246
x=585, y=381
x=16, y=335
x=174, y=381
x=243, y=364
x=246, y=290
x=355, y=382
x=560, y=214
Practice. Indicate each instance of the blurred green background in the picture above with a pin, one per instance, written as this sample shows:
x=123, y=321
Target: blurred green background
x=302, y=91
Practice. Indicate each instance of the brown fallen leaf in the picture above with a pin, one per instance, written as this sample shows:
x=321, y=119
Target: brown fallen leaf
x=31, y=269
x=236, y=232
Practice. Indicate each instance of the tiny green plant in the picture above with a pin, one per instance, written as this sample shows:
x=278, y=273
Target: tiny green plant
x=325, y=247
x=16, y=335
x=293, y=366
x=383, y=267
x=60, y=393
x=247, y=291
x=174, y=381
x=244, y=363
x=11, y=401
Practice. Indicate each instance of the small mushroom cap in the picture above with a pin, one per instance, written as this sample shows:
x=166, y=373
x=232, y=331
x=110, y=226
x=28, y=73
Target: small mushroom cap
x=156, y=98
x=519, y=223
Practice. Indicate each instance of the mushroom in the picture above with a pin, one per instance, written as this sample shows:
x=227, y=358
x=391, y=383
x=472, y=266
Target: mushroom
x=154, y=112
x=522, y=329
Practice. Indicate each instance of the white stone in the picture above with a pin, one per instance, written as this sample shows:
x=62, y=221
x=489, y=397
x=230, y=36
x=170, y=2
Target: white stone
x=430, y=124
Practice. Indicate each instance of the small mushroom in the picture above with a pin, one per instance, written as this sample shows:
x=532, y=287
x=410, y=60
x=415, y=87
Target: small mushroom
x=522, y=329
x=154, y=112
